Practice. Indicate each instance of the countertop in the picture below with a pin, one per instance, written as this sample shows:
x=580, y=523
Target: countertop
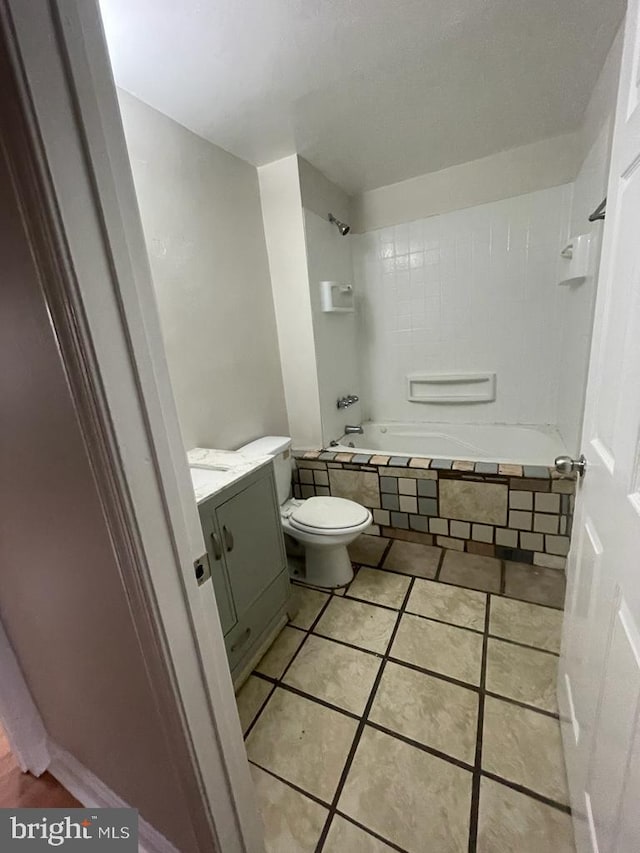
x=212, y=470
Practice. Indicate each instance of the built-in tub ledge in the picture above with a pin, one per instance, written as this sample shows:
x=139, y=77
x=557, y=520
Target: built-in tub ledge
x=501, y=510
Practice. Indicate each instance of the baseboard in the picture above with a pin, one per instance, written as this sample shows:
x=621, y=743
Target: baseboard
x=93, y=793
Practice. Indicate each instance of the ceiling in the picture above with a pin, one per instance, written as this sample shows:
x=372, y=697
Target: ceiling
x=369, y=91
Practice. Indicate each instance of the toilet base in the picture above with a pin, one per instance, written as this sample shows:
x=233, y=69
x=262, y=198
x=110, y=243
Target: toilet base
x=327, y=565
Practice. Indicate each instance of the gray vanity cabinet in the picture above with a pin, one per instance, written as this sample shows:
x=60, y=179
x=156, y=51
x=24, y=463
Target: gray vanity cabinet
x=243, y=533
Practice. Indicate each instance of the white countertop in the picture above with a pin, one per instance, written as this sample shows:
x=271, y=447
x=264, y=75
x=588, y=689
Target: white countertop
x=213, y=470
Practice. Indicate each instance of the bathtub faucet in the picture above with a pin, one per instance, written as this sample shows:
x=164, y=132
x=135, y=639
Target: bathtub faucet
x=345, y=402
x=353, y=430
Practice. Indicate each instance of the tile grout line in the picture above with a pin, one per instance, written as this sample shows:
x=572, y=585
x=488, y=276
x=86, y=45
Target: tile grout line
x=290, y=688
x=487, y=774
x=359, y=731
x=441, y=558
x=557, y=608
x=424, y=670
x=422, y=747
x=371, y=832
x=313, y=797
x=474, y=688
x=258, y=713
x=279, y=681
x=385, y=554
x=476, y=778
x=502, y=639
x=276, y=682
x=527, y=792
x=364, y=719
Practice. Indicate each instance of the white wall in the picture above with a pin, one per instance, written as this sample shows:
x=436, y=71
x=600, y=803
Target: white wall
x=321, y=195
x=201, y=214
x=284, y=230
x=577, y=302
x=540, y=165
x=475, y=289
x=336, y=335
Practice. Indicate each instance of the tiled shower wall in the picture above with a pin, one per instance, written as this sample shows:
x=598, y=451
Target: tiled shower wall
x=472, y=290
x=513, y=512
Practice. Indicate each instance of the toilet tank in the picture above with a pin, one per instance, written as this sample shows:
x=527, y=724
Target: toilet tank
x=278, y=446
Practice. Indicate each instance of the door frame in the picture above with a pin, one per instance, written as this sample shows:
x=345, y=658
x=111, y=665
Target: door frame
x=66, y=147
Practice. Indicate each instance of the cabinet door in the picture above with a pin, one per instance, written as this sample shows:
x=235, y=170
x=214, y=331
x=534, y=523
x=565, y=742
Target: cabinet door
x=252, y=541
x=215, y=550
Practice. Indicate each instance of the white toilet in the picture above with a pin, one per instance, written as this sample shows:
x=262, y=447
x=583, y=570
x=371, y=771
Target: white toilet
x=323, y=525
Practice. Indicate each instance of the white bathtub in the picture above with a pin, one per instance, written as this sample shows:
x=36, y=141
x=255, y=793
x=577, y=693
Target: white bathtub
x=521, y=445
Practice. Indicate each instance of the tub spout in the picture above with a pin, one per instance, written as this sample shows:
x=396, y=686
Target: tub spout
x=353, y=430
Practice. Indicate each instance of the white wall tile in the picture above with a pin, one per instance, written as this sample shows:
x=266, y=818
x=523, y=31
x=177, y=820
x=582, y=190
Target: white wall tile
x=471, y=290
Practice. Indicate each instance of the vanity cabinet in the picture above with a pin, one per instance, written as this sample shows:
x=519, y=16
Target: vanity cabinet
x=244, y=539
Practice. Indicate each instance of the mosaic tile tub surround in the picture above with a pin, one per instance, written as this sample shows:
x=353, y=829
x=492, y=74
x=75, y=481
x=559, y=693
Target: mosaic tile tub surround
x=513, y=512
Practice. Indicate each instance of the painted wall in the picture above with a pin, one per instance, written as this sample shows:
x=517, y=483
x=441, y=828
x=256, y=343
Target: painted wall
x=320, y=195
x=471, y=290
x=544, y=164
x=336, y=335
x=201, y=214
x=577, y=302
x=283, y=217
x=62, y=602
x=329, y=258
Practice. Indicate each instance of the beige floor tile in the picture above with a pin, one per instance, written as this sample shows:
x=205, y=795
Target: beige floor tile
x=471, y=570
x=310, y=603
x=413, y=559
x=534, y=583
x=524, y=746
x=380, y=587
x=367, y=550
x=291, y=821
x=428, y=710
x=509, y=821
x=345, y=837
x=525, y=675
x=464, y=607
x=526, y=623
x=452, y=651
x=302, y=742
x=283, y=648
x=338, y=674
x=249, y=699
x=363, y=625
x=407, y=796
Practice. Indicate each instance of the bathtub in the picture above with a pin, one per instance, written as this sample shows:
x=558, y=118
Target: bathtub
x=522, y=445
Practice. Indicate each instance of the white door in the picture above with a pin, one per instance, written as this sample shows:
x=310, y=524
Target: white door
x=599, y=680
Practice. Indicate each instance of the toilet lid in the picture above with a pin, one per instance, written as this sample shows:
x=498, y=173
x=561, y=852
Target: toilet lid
x=329, y=513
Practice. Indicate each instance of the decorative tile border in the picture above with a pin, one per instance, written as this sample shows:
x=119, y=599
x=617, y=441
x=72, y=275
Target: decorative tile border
x=514, y=512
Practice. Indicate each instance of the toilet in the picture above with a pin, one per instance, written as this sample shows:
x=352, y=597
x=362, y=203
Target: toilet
x=324, y=526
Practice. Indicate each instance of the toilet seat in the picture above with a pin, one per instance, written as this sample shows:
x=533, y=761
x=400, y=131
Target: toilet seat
x=328, y=516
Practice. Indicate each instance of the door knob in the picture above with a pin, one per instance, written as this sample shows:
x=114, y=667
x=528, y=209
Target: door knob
x=567, y=465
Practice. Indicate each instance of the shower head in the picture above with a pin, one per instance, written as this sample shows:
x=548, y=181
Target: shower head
x=341, y=226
